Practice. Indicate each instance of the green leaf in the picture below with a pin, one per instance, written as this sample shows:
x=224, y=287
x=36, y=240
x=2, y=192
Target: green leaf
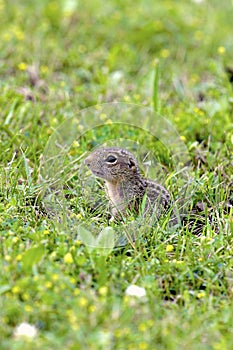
x=106, y=241
x=32, y=257
x=4, y=288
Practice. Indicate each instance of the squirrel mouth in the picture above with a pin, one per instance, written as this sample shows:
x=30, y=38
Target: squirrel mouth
x=98, y=173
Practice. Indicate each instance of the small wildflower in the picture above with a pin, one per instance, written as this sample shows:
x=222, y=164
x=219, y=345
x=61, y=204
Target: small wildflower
x=19, y=257
x=83, y=302
x=15, y=290
x=135, y=291
x=44, y=69
x=25, y=296
x=221, y=50
x=98, y=107
x=46, y=232
x=76, y=292
x=54, y=277
x=109, y=121
x=53, y=255
x=6, y=37
x=78, y=242
x=15, y=239
x=136, y=97
x=68, y=259
x=103, y=116
x=103, y=291
x=80, y=127
x=200, y=295
x=76, y=144
x=142, y=327
x=19, y=34
x=183, y=138
x=48, y=284
x=92, y=308
x=127, y=98
x=28, y=308
x=8, y=258
x=22, y=66
x=25, y=330
x=72, y=248
x=179, y=262
x=169, y=248
x=143, y=346
x=164, y=53
x=72, y=280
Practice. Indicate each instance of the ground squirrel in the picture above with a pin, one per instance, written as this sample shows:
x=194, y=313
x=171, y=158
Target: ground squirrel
x=125, y=186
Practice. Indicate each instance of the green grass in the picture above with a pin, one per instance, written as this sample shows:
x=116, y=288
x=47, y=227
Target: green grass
x=58, y=57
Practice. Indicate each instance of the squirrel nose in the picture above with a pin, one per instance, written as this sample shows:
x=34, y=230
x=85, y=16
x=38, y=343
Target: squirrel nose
x=88, y=160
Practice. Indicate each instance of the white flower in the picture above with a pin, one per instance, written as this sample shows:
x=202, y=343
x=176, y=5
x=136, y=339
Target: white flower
x=25, y=329
x=135, y=291
x=117, y=76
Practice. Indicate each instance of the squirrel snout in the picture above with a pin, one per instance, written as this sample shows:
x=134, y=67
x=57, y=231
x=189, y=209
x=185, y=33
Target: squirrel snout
x=88, y=160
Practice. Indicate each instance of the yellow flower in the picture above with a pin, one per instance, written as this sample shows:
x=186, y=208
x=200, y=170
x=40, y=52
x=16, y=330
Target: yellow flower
x=221, y=50
x=54, y=277
x=8, y=258
x=164, y=53
x=169, y=248
x=72, y=280
x=22, y=66
x=15, y=290
x=183, y=138
x=78, y=242
x=25, y=296
x=15, y=239
x=44, y=69
x=6, y=37
x=103, y=291
x=143, y=346
x=103, y=116
x=19, y=34
x=200, y=295
x=19, y=257
x=142, y=327
x=76, y=291
x=68, y=259
x=109, y=121
x=28, y=308
x=83, y=301
x=126, y=98
x=92, y=308
x=48, y=284
x=76, y=144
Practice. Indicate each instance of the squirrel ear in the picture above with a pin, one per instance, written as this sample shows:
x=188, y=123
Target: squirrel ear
x=132, y=164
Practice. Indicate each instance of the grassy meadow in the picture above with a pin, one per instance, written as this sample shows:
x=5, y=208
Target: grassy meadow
x=58, y=58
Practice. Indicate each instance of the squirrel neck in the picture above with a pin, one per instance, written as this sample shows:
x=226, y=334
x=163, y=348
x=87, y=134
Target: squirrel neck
x=126, y=188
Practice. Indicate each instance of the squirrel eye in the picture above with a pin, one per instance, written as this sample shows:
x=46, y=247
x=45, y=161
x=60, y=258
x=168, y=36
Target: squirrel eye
x=111, y=159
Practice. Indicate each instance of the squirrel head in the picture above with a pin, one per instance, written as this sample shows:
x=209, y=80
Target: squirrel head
x=112, y=164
